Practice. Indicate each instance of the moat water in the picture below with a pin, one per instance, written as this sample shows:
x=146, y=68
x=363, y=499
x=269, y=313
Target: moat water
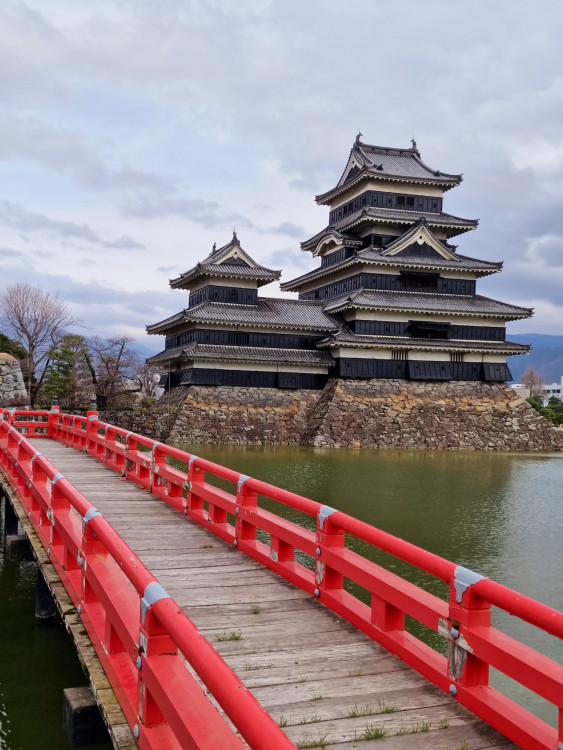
x=498, y=514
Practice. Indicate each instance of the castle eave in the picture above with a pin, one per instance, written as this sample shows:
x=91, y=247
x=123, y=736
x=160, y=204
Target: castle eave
x=348, y=339
x=402, y=216
x=428, y=302
x=245, y=354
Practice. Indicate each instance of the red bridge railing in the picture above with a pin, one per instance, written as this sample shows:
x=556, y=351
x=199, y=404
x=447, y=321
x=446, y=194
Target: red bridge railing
x=473, y=645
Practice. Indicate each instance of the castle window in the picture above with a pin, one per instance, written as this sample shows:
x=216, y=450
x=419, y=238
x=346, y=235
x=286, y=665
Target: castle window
x=419, y=280
x=238, y=338
x=423, y=329
x=400, y=355
x=456, y=356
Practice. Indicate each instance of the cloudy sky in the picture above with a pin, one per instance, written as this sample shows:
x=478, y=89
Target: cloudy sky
x=134, y=134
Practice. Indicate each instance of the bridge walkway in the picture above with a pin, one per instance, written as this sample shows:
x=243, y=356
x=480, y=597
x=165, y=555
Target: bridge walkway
x=321, y=679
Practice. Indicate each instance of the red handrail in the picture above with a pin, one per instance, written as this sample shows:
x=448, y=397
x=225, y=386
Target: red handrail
x=94, y=564
x=464, y=621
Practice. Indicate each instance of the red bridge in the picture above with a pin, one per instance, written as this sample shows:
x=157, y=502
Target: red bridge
x=237, y=650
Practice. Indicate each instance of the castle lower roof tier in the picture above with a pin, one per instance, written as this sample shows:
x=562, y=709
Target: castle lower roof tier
x=269, y=312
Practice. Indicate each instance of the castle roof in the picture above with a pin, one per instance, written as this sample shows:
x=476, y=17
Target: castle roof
x=417, y=248
x=347, y=337
x=382, y=163
x=427, y=302
x=229, y=261
x=308, y=357
x=369, y=214
x=268, y=312
x=404, y=216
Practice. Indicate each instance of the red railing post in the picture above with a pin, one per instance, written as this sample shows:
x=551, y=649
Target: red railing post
x=154, y=641
x=194, y=503
x=53, y=418
x=91, y=429
x=328, y=537
x=247, y=501
x=466, y=611
x=90, y=545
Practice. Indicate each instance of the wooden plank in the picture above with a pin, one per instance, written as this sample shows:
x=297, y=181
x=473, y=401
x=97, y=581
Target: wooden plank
x=477, y=735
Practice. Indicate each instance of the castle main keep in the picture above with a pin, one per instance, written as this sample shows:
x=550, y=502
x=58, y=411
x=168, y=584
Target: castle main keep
x=391, y=298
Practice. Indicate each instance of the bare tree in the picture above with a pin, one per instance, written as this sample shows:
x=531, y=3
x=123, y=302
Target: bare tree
x=36, y=319
x=533, y=381
x=113, y=366
x=148, y=377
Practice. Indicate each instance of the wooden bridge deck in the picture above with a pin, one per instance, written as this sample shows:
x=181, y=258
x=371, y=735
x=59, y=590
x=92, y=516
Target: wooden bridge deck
x=325, y=682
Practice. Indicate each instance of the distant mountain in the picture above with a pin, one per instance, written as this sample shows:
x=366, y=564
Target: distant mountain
x=546, y=356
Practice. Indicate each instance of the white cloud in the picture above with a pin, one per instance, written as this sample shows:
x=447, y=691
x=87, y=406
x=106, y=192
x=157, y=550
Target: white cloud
x=163, y=125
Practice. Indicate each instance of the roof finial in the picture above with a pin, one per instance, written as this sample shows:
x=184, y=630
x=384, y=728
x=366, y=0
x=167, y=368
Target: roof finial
x=235, y=238
x=360, y=134
x=413, y=143
x=214, y=247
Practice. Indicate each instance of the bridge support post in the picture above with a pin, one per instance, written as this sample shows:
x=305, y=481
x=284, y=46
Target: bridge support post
x=45, y=608
x=18, y=547
x=82, y=720
x=10, y=518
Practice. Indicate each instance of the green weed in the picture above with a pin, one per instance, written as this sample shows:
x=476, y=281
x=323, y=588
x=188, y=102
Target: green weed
x=230, y=635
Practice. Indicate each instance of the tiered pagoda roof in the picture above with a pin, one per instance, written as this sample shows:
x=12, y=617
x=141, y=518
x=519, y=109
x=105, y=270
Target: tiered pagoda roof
x=229, y=261
x=417, y=248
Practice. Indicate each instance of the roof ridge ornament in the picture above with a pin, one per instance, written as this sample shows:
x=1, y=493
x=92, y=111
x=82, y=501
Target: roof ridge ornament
x=414, y=148
x=360, y=134
x=235, y=238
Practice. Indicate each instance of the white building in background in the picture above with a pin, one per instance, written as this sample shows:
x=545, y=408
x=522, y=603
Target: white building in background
x=552, y=389
x=521, y=390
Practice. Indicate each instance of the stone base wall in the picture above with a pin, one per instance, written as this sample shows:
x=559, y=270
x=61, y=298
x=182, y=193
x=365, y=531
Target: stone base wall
x=257, y=416
x=403, y=414
x=12, y=385
x=350, y=413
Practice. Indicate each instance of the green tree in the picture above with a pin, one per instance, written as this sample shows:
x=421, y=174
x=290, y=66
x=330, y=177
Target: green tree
x=536, y=402
x=553, y=411
x=58, y=380
x=556, y=406
x=9, y=346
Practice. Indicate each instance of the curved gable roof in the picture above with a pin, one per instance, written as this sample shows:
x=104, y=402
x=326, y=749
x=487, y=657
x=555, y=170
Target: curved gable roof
x=381, y=162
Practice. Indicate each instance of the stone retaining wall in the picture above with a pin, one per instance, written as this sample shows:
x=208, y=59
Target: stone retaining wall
x=258, y=416
x=402, y=414
x=351, y=413
x=12, y=385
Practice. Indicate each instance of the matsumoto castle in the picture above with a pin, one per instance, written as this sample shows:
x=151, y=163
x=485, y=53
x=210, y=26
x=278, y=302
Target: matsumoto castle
x=390, y=298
